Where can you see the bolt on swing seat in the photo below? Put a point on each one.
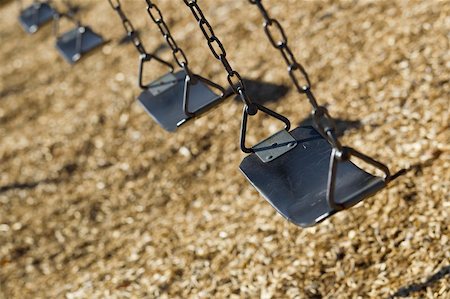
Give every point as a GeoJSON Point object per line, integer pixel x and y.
{"type": "Point", "coordinates": [34, 16]}
{"type": "Point", "coordinates": [291, 170]}
{"type": "Point", "coordinates": [73, 44]}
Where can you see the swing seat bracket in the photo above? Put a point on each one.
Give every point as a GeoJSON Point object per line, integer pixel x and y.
{"type": "Point", "coordinates": [162, 84]}
{"type": "Point", "coordinates": [275, 146]}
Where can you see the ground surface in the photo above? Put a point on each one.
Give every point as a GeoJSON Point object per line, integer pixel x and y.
{"type": "Point", "coordinates": [97, 201]}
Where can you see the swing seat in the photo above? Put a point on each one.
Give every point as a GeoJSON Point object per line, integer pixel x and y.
{"type": "Point", "coordinates": [163, 100]}
{"type": "Point", "coordinates": [67, 43]}
{"type": "Point", "coordinates": [36, 15]}
{"type": "Point", "coordinates": [295, 182]}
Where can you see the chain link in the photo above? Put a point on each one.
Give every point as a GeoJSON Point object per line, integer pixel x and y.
{"type": "Point", "coordinates": [218, 50]}
{"type": "Point", "coordinates": [233, 77]}
{"type": "Point", "coordinates": [324, 122]}
{"type": "Point", "coordinates": [129, 28]}
{"type": "Point", "coordinates": [157, 18]}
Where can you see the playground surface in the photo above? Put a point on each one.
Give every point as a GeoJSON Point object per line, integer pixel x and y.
{"type": "Point", "coordinates": [97, 201]}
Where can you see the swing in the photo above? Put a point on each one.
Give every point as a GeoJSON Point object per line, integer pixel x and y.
{"type": "Point", "coordinates": [176, 97]}
{"type": "Point", "coordinates": [36, 15]}
{"type": "Point", "coordinates": [305, 174]}
{"type": "Point", "coordinates": [296, 182]}
{"type": "Point", "coordinates": [75, 43]}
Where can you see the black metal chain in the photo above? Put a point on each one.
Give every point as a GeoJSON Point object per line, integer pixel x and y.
{"type": "Point", "coordinates": [70, 14]}
{"type": "Point", "coordinates": [157, 17]}
{"type": "Point", "coordinates": [129, 28]}
{"type": "Point", "coordinates": [218, 50]}
{"type": "Point", "coordinates": [233, 77]}
{"type": "Point", "coordinates": [134, 36]}
{"type": "Point", "coordinates": [324, 122]}
{"type": "Point", "coordinates": [322, 119]}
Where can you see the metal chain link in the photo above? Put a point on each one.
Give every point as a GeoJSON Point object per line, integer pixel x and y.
{"type": "Point", "coordinates": [297, 72]}
{"type": "Point", "coordinates": [321, 117]}
{"type": "Point", "coordinates": [129, 28]}
{"type": "Point", "coordinates": [134, 36]}
{"type": "Point", "coordinates": [233, 77]}
{"type": "Point", "coordinates": [157, 17]}
{"type": "Point", "coordinates": [218, 50]}
{"type": "Point", "coordinates": [70, 14]}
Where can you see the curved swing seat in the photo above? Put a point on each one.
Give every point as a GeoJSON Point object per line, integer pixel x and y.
{"type": "Point", "coordinates": [295, 182]}
{"type": "Point", "coordinates": [76, 42]}
{"type": "Point", "coordinates": [36, 15]}
{"type": "Point", "coordinates": [163, 100]}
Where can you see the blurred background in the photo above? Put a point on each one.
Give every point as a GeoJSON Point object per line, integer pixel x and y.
{"type": "Point", "coordinates": [97, 201]}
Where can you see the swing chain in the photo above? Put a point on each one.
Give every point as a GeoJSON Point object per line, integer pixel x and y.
{"type": "Point", "coordinates": [129, 28]}
{"type": "Point", "coordinates": [157, 17]}
{"type": "Point", "coordinates": [234, 78]}
{"type": "Point", "coordinates": [69, 14]}
{"type": "Point", "coordinates": [219, 52]}
{"type": "Point", "coordinates": [322, 119]}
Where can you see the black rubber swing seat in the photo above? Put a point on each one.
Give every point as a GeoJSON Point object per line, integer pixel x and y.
{"type": "Point", "coordinates": [163, 100]}
{"type": "Point", "coordinates": [36, 15]}
{"type": "Point", "coordinates": [68, 47]}
{"type": "Point", "coordinates": [295, 183]}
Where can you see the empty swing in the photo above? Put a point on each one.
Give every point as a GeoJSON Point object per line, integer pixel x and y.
{"type": "Point", "coordinates": [176, 97]}
{"type": "Point", "coordinates": [76, 42]}
{"type": "Point", "coordinates": [305, 174]}
{"type": "Point", "coordinates": [37, 14]}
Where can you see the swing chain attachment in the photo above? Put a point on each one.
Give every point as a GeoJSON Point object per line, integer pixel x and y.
{"type": "Point", "coordinates": [234, 78]}
{"type": "Point", "coordinates": [155, 14]}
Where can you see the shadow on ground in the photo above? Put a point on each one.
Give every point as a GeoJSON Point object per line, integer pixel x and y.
{"type": "Point", "coordinates": [342, 125]}
{"type": "Point", "coordinates": [264, 92]}
{"type": "Point", "coordinates": [417, 287]}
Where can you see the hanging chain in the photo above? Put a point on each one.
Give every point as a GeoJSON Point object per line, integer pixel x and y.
{"type": "Point", "coordinates": [218, 50]}
{"type": "Point", "coordinates": [297, 73]}
{"type": "Point", "coordinates": [129, 28]}
{"type": "Point", "coordinates": [233, 77]}
{"type": "Point", "coordinates": [157, 17]}
{"type": "Point", "coordinates": [69, 14]}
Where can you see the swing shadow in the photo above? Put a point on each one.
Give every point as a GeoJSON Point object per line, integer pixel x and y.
{"type": "Point", "coordinates": [263, 92]}
{"type": "Point", "coordinates": [342, 125]}
{"type": "Point", "coordinates": [125, 39]}
{"type": "Point", "coordinates": [417, 287]}
{"type": "Point", "coordinates": [72, 8]}
{"type": "Point", "coordinates": [4, 2]}
{"type": "Point", "coordinates": [64, 175]}
{"type": "Point", "coordinates": [128, 39]}
{"type": "Point", "coordinates": [28, 185]}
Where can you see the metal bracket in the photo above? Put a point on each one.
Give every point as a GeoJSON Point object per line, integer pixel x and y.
{"type": "Point", "coordinates": [275, 146]}
{"type": "Point", "coordinates": [162, 84]}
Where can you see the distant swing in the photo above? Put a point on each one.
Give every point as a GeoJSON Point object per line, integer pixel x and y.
{"type": "Point", "coordinates": [76, 42]}
{"type": "Point", "coordinates": [34, 16]}
{"type": "Point", "coordinates": [175, 98]}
